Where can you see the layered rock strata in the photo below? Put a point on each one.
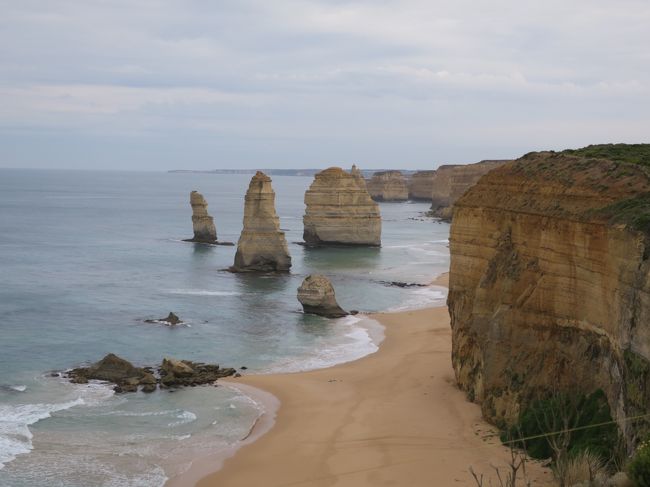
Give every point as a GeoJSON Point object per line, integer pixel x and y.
{"type": "Point", "coordinates": [441, 186]}
{"type": "Point", "coordinates": [316, 294]}
{"type": "Point", "coordinates": [356, 172]}
{"type": "Point", "coordinates": [388, 186]}
{"type": "Point", "coordinates": [451, 182]}
{"type": "Point", "coordinates": [421, 185]}
{"type": "Point", "coordinates": [339, 211]}
{"type": "Point", "coordinates": [262, 246]}
{"type": "Point", "coordinates": [550, 285]}
{"type": "Point", "coordinates": [202, 222]}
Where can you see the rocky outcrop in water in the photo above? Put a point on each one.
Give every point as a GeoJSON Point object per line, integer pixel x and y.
{"type": "Point", "coordinates": [421, 185]}
{"type": "Point", "coordinates": [202, 222]}
{"type": "Point", "coordinates": [171, 320]}
{"type": "Point", "coordinates": [128, 378]}
{"type": "Point", "coordinates": [316, 294]}
{"type": "Point", "coordinates": [549, 285]}
{"type": "Point", "coordinates": [340, 211]}
{"type": "Point", "coordinates": [457, 179]}
{"type": "Point", "coordinates": [262, 246]}
{"type": "Point", "coordinates": [388, 186]}
{"type": "Point", "coordinates": [361, 181]}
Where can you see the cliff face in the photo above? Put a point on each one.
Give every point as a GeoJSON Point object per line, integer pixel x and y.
{"type": "Point", "coordinates": [340, 212]}
{"type": "Point", "coordinates": [388, 186]}
{"type": "Point", "coordinates": [262, 247]}
{"type": "Point", "coordinates": [202, 222]}
{"type": "Point", "coordinates": [451, 182]}
{"type": "Point", "coordinates": [441, 186]}
{"type": "Point", "coordinates": [421, 185]}
{"type": "Point", "coordinates": [550, 285]}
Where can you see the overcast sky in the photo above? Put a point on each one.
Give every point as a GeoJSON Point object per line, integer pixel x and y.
{"type": "Point", "coordinates": [275, 83]}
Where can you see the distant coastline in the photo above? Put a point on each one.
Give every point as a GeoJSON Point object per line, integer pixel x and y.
{"type": "Point", "coordinates": [367, 173]}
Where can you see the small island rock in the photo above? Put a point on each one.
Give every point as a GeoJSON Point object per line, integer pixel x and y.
{"type": "Point", "coordinates": [316, 294]}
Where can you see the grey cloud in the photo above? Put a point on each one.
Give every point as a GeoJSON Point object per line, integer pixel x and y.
{"type": "Point", "coordinates": [305, 83]}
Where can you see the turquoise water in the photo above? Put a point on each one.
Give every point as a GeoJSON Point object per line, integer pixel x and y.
{"type": "Point", "coordinates": [87, 256]}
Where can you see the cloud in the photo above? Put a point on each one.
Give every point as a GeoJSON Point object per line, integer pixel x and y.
{"type": "Point", "coordinates": [386, 83]}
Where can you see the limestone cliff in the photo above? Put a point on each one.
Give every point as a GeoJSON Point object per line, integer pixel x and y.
{"type": "Point", "coordinates": [441, 186]}
{"type": "Point", "coordinates": [358, 176]}
{"type": "Point", "coordinates": [451, 182]}
{"type": "Point", "coordinates": [421, 185]}
{"type": "Point", "coordinates": [388, 186]}
{"type": "Point", "coordinates": [340, 212]}
{"type": "Point", "coordinates": [550, 284]}
{"type": "Point", "coordinates": [262, 246]}
{"type": "Point", "coordinates": [202, 222]}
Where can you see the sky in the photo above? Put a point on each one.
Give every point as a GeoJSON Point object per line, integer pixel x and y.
{"type": "Point", "coordinates": [412, 84]}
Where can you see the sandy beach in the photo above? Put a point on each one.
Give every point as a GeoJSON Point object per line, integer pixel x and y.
{"type": "Point", "coordinates": [392, 418]}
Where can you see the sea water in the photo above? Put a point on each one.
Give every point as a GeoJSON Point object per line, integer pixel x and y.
{"type": "Point", "coordinates": [86, 257]}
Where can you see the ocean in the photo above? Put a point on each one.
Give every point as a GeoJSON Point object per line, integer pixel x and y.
{"type": "Point", "coordinates": [87, 256]}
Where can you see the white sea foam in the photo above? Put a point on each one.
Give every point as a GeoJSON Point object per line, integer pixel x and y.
{"type": "Point", "coordinates": [183, 417]}
{"type": "Point", "coordinates": [15, 435]}
{"type": "Point", "coordinates": [360, 336]}
{"type": "Point", "coordinates": [422, 297]}
{"type": "Point", "coordinates": [16, 388]}
{"type": "Point", "coordinates": [202, 292]}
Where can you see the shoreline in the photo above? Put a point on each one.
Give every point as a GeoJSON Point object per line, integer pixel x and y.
{"type": "Point", "coordinates": [393, 417]}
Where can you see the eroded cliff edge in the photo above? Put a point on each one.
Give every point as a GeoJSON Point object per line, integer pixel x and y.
{"type": "Point", "coordinates": [550, 284]}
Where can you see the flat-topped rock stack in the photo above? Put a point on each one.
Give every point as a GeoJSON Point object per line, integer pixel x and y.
{"type": "Point", "coordinates": [451, 182]}
{"type": "Point", "coordinates": [388, 186]}
{"type": "Point", "coordinates": [340, 211]}
{"type": "Point", "coordinates": [202, 222]}
{"type": "Point", "coordinates": [421, 185]}
{"type": "Point", "coordinates": [262, 246]}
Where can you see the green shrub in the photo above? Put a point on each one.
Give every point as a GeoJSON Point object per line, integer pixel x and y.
{"type": "Point", "coordinates": [639, 467]}
{"type": "Point", "coordinates": [634, 153]}
{"type": "Point", "coordinates": [549, 415]}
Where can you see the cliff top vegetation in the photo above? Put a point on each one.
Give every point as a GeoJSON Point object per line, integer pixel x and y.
{"type": "Point", "coordinates": [633, 153]}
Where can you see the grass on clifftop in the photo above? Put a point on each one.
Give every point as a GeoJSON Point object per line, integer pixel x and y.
{"type": "Point", "coordinates": [631, 153]}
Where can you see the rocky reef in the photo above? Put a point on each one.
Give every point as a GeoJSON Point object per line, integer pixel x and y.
{"type": "Point", "coordinates": [549, 285]}
{"type": "Point", "coordinates": [340, 211]}
{"type": "Point", "coordinates": [202, 222]}
{"type": "Point", "coordinates": [316, 294]}
{"type": "Point", "coordinates": [262, 246]}
{"type": "Point", "coordinates": [128, 378]}
{"type": "Point", "coordinates": [388, 186]}
{"type": "Point", "coordinates": [451, 182]}
{"type": "Point", "coordinates": [421, 185]}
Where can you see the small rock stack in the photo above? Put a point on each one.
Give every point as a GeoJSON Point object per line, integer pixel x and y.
{"type": "Point", "coordinates": [202, 222]}
{"type": "Point", "coordinates": [316, 294]}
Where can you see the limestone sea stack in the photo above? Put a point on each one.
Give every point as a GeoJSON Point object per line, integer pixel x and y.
{"type": "Point", "coordinates": [316, 294]}
{"type": "Point", "coordinates": [262, 246]}
{"type": "Point", "coordinates": [549, 288]}
{"type": "Point", "coordinates": [388, 186]}
{"type": "Point", "coordinates": [340, 211]}
{"type": "Point", "coordinates": [356, 172]}
{"type": "Point", "coordinates": [421, 185]}
{"type": "Point", "coordinates": [451, 182]}
{"type": "Point", "coordinates": [202, 222]}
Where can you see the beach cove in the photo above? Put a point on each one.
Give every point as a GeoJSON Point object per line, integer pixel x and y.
{"type": "Point", "coordinates": [394, 417]}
